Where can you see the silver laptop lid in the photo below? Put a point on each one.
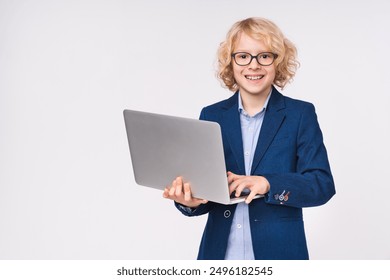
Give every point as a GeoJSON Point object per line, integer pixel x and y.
{"type": "Point", "coordinates": [163, 147]}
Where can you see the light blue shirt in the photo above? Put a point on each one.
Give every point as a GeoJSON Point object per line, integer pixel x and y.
{"type": "Point", "coordinates": [240, 240]}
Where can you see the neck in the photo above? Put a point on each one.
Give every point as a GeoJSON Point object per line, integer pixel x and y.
{"type": "Point", "coordinates": [253, 103]}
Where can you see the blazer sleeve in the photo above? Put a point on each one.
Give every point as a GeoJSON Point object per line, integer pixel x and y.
{"type": "Point", "coordinates": [312, 183]}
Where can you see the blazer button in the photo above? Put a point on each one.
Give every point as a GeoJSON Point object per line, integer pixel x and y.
{"type": "Point", "coordinates": [227, 214]}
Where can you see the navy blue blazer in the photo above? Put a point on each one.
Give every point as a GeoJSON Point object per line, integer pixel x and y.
{"type": "Point", "coordinates": [290, 153]}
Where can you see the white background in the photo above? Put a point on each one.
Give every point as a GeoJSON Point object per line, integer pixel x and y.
{"type": "Point", "coordinates": [69, 68]}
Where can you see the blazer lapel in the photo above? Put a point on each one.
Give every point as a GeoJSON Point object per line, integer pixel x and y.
{"type": "Point", "coordinates": [273, 119]}
{"type": "Point", "coordinates": [231, 125]}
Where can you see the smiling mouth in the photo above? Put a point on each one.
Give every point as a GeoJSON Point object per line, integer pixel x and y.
{"type": "Point", "coordinates": [254, 77]}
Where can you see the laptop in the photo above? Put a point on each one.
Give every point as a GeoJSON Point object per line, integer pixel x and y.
{"type": "Point", "coordinates": [164, 147]}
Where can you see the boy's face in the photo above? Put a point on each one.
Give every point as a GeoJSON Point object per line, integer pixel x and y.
{"type": "Point", "coordinates": [253, 79]}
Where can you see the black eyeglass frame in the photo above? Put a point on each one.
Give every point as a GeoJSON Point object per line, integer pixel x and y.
{"type": "Point", "coordinates": [275, 56]}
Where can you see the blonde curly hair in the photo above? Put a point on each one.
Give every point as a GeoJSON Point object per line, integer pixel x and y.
{"type": "Point", "coordinates": [286, 63]}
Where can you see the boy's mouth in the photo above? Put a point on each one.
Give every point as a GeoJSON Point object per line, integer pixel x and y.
{"type": "Point", "coordinates": [252, 77]}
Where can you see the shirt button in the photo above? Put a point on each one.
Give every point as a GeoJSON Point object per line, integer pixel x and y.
{"type": "Point", "coordinates": [227, 214]}
{"type": "Point", "coordinates": [239, 226]}
{"type": "Point", "coordinates": [247, 153]}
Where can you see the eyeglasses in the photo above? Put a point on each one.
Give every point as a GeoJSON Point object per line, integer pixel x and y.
{"type": "Point", "coordinates": [244, 58]}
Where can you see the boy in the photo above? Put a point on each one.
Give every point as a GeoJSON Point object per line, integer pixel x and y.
{"type": "Point", "coordinates": [273, 146]}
